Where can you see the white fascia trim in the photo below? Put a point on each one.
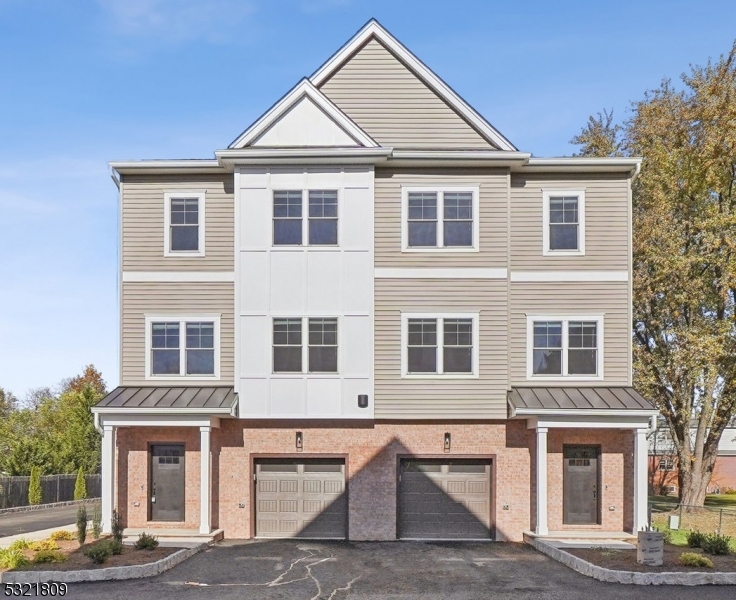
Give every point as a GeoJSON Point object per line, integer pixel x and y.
{"type": "Point", "coordinates": [440, 317]}
{"type": "Point", "coordinates": [178, 276]}
{"type": "Point", "coordinates": [546, 195]}
{"type": "Point", "coordinates": [374, 29]}
{"type": "Point", "coordinates": [132, 167]}
{"type": "Point", "coordinates": [255, 155]}
{"type": "Point", "coordinates": [171, 419]}
{"type": "Point", "coordinates": [567, 276]}
{"type": "Point", "coordinates": [439, 273]}
{"type": "Point", "coordinates": [565, 319]}
{"type": "Point", "coordinates": [593, 412]}
{"type": "Point", "coordinates": [301, 89]}
{"type": "Point", "coordinates": [201, 211]}
{"type": "Point", "coordinates": [631, 165]}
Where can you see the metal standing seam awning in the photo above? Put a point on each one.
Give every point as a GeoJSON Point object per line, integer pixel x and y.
{"type": "Point", "coordinates": [579, 401]}
{"type": "Point", "coordinates": [214, 400]}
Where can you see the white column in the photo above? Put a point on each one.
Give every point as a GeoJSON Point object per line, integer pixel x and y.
{"type": "Point", "coordinates": [542, 481]}
{"type": "Point", "coordinates": [204, 480]}
{"type": "Point", "coordinates": [641, 487]}
{"type": "Point", "coordinates": [108, 476]}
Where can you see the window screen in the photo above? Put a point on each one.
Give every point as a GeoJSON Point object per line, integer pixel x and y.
{"type": "Point", "coordinates": [563, 223]}
{"type": "Point", "coordinates": [323, 217]}
{"type": "Point", "coordinates": [287, 345]}
{"type": "Point", "coordinates": [184, 221]}
{"type": "Point", "coordinates": [458, 218]}
{"type": "Point", "coordinates": [422, 345]}
{"type": "Point", "coordinates": [458, 346]}
{"type": "Point", "coordinates": [323, 345]}
{"type": "Point", "coordinates": [422, 221]}
{"type": "Point", "coordinates": [547, 348]}
{"type": "Point", "coordinates": [287, 218]}
{"type": "Point", "coordinates": [582, 353]}
{"type": "Point", "coordinates": [165, 349]}
{"type": "Point", "coordinates": [200, 348]}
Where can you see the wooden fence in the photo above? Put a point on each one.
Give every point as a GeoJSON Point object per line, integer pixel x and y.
{"type": "Point", "coordinates": [54, 488]}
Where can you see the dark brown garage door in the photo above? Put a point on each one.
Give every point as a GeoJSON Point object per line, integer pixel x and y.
{"type": "Point", "coordinates": [444, 499]}
{"type": "Point", "coordinates": [301, 498]}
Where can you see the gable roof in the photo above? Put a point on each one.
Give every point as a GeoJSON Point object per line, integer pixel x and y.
{"type": "Point", "coordinates": [373, 29]}
{"type": "Point", "coordinates": [305, 89]}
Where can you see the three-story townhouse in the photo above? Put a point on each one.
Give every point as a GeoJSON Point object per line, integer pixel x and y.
{"type": "Point", "coordinates": [372, 317]}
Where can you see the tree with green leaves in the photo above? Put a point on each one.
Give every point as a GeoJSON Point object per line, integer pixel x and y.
{"type": "Point", "coordinates": [80, 486]}
{"type": "Point", "coordinates": [684, 256]}
{"type": "Point", "coordinates": [34, 487]}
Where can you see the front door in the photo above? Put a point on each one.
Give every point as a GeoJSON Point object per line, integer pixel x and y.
{"type": "Point", "coordinates": [580, 485]}
{"type": "Point", "coordinates": [166, 499]}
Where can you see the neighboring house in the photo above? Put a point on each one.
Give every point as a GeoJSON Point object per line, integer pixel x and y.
{"type": "Point", "coordinates": [372, 317]}
{"type": "Point", "coordinates": [663, 469]}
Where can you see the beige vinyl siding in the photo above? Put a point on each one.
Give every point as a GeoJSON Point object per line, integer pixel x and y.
{"type": "Point", "coordinates": [394, 106]}
{"type": "Point", "coordinates": [573, 299]}
{"type": "Point", "coordinates": [143, 222]}
{"type": "Point", "coordinates": [433, 398]}
{"type": "Point", "coordinates": [493, 223]}
{"type": "Point", "coordinates": [140, 299]}
{"type": "Point", "coordinates": [606, 222]}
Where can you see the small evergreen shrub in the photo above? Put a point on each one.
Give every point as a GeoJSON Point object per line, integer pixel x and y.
{"type": "Point", "coordinates": [81, 524]}
{"type": "Point", "coordinates": [43, 545]}
{"type": "Point", "coordinates": [62, 534]}
{"type": "Point", "coordinates": [116, 526]}
{"type": "Point", "coordinates": [714, 543]}
{"type": "Point", "coordinates": [80, 486]}
{"type": "Point", "coordinates": [146, 542]}
{"type": "Point", "coordinates": [97, 522]}
{"type": "Point", "coordinates": [34, 487]}
{"type": "Point", "coordinates": [20, 544]}
{"type": "Point", "coordinates": [49, 556]}
{"type": "Point", "coordinates": [98, 553]}
{"type": "Point", "coordinates": [693, 559]}
{"type": "Point", "coordinates": [116, 546]}
{"type": "Point", "coordinates": [13, 559]}
{"type": "Point", "coordinates": [695, 539]}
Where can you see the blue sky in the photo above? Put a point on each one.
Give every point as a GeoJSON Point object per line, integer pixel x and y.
{"type": "Point", "coordinates": [86, 82]}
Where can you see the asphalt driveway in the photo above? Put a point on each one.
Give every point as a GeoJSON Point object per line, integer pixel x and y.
{"type": "Point", "coordinates": [15, 523]}
{"type": "Point", "coordinates": [304, 570]}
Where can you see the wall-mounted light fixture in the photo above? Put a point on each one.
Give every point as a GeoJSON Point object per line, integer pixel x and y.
{"type": "Point", "coordinates": [447, 441]}
{"type": "Point", "coordinates": [299, 441]}
{"type": "Point", "coordinates": [362, 400]}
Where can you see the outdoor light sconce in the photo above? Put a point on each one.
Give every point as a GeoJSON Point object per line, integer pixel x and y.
{"type": "Point", "coordinates": [362, 400]}
{"type": "Point", "coordinates": [447, 442]}
{"type": "Point", "coordinates": [299, 441]}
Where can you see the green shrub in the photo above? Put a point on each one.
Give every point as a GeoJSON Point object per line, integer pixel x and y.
{"type": "Point", "coordinates": [62, 534]}
{"type": "Point", "coordinates": [116, 526]}
{"type": "Point", "coordinates": [693, 559]}
{"type": "Point", "coordinates": [20, 544]}
{"type": "Point", "coordinates": [695, 539]}
{"type": "Point", "coordinates": [80, 486]}
{"type": "Point", "coordinates": [146, 542]}
{"type": "Point", "coordinates": [43, 545]}
{"type": "Point", "coordinates": [81, 524]}
{"type": "Point", "coordinates": [666, 534]}
{"type": "Point", "coordinates": [116, 546]}
{"type": "Point", "coordinates": [49, 556]}
{"type": "Point", "coordinates": [97, 522]}
{"type": "Point", "coordinates": [714, 543]}
{"type": "Point", "coordinates": [730, 491]}
{"type": "Point", "coordinates": [13, 559]}
{"type": "Point", "coordinates": [98, 553]}
{"type": "Point", "coordinates": [34, 487]}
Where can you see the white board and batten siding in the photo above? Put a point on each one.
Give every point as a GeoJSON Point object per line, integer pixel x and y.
{"type": "Point", "coordinates": [304, 281]}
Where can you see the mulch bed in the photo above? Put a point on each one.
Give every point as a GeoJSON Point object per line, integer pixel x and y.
{"type": "Point", "coordinates": [625, 560]}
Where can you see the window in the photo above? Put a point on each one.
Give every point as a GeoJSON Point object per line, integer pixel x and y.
{"type": "Point", "coordinates": [564, 222]}
{"type": "Point", "coordinates": [440, 218]}
{"type": "Point", "coordinates": [666, 464]}
{"type": "Point", "coordinates": [289, 223]}
{"type": "Point", "coordinates": [184, 224]}
{"type": "Point", "coordinates": [182, 346]}
{"type": "Point", "coordinates": [289, 354]}
{"type": "Point", "coordinates": [565, 347]}
{"type": "Point", "coordinates": [437, 345]}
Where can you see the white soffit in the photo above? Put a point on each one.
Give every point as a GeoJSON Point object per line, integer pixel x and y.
{"type": "Point", "coordinates": [298, 116]}
{"type": "Point", "coordinates": [374, 29]}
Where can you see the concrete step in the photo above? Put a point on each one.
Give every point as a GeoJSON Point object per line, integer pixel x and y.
{"type": "Point", "coordinates": [173, 537]}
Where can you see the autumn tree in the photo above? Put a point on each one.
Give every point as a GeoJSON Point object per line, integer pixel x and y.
{"type": "Point", "coordinates": [684, 256]}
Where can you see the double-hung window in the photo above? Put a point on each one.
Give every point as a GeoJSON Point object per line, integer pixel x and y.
{"type": "Point", "coordinates": [291, 355]}
{"type": "Point", "coordinates": [565, 347]}
{"type": "Point", "coordinates": [291, 228]}
{"type": "Point", "coordinates": [184, 224]}
{"type": "Point", "coordinates": [440, 218]}
{"type": "Point", "coordinates": [563, 222]}
{"type": "Point", "coordinates": [182, 347]}
{"type": "Point", "coordinates": [445, 345]}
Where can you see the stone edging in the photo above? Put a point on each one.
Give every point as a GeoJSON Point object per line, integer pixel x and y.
{"type": "Point", "coordinates": [17, 509]}
{"type": "Point", "coordinates": [109, 573]}
{"type": "Point", "coordinates": [630, 577]}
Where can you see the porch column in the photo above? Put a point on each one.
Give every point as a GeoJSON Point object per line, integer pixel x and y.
{"type": "Point", "coordinates": [204, 480]}
{"type": "Point", "coordinates": [108, 477]}
{"type": "Point", "coordinates": [641, 488]}
{"type": "Point", "coordinates": [542, 481]}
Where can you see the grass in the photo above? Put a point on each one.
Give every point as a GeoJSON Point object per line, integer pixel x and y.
{"type": "Point", "coordinates": [665, 503]}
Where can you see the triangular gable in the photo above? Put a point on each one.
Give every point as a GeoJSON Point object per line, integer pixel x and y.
{"type": "Point", "coordinates": [396, 98]}
{"type": "Point", "coordinates": [304, 117]}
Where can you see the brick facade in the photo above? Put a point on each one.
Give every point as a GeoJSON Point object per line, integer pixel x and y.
{"type": "Point", "coordinates": [372, 450]}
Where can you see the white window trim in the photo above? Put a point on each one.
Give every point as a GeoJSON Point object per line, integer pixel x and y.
{"type": "Point", "coordinates": [546, 195]}
{"type": "Point", "coordinates": [440, 190]}
{"type": "Point", "coordinates": [475, 317]}
{"type": "Point", "coordinates": [305, 350]}
{"type": "Point", "coordinates": [182, 319]}
{"type": "Point", "coordinates": [168, 197]}
{"type": "Point", "coordinates": [305, 220]}
{"type": "Point", "coordinates": [565, 319]}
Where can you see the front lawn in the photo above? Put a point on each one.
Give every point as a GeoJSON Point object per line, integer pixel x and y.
{"type": "Point", "coordinates": [665, 503]}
